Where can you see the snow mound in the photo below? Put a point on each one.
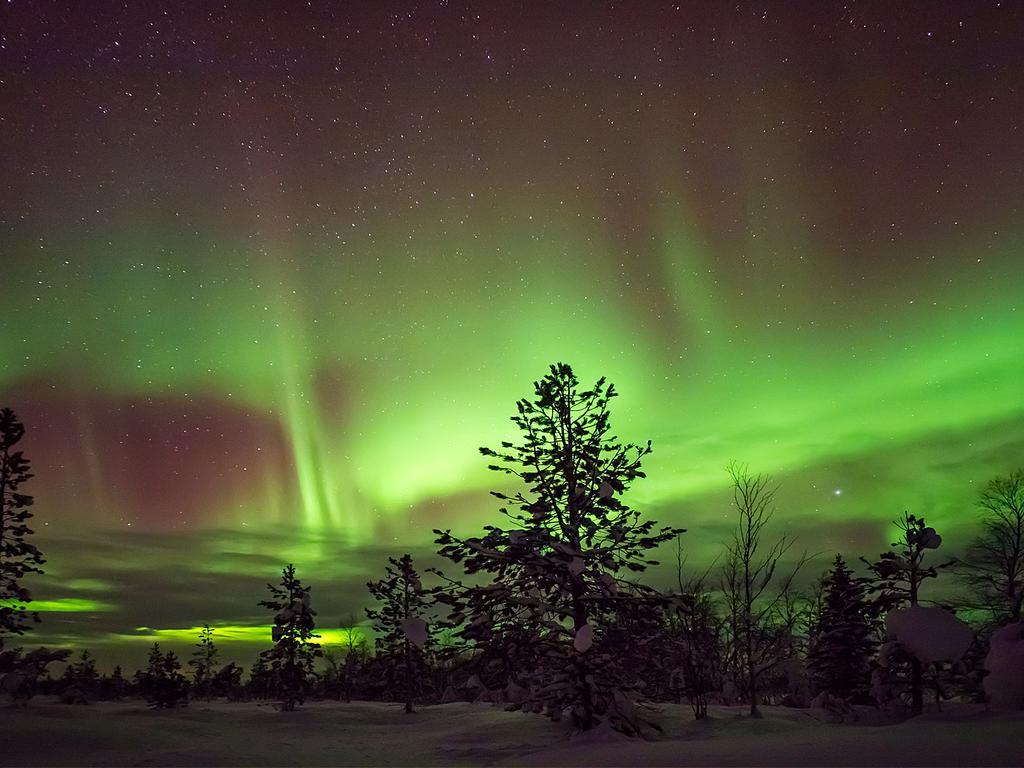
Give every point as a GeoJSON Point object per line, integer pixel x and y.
{"type": "Point", "coordinates": [584, 638]}
{"type": "Point", "coordinates": [415, 629]}
{"type": "Point", "coordinates": [930, 634]}
{"type": "Point", "coordinates": [1004, 684]}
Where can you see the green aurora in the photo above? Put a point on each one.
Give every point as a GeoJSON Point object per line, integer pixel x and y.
{"type": "Point", "coordinates": [231, 353]}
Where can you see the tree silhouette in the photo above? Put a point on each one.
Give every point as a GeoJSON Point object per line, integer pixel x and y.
{"type": "Point", "coordinates": [558, 574]}
{"type": "Point", "coordinates": [227, 682]}
{"type": "Point", "coordinates": [80, 680]}
{"type": "Point", "coordinates": [897, 579]}
{"type": "Point", "coordinates": [261, 679]}
{"type": "Point", "coordinates": [754, 592]}
{"type": "Point", "coordinates": [695, 631]}
{"type": "Point", "coordinates": [18, 556]}
{"type": "Point", "coordinates": [20, 672]}
{"type": "Point", "coordinates": [843, 639]}
{"type": "Point", "coordinates": [294, 653]}
{"type": "Point", "coordinates": [403, 635]}
{"type": "Point", "coordinates": [993, 567]}
{"type": "Point", "coordinates": [202, 661]}
{"type": "Point", "coordinates": [162, 685]}
{"type": "Point", "coordinates": [113, 686]}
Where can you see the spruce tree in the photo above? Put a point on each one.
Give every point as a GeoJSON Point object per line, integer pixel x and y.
{"type": "Point", "coordinates": [403, 635]}
{"type": "Point", "coordinates": [113, 686]}
{"type": "Point", "coordinates": [292, 658]}
{"type": "Point", "coordinates": [558, 575]}
{"type": "Point", "coordinates": [227, 682]}
{"type": "Point", "coordinates": [202, 661]}
{"type": "Point", "coordinates": [18, 556]}
{"type": "Point", "coordinates": [162, 685]}
{"type": "Point", "coordinates": [261, 679]}
{"type": "Point", "coordinates": [842, 643]}
{"type": "Point", "coordinates": [80, 680]}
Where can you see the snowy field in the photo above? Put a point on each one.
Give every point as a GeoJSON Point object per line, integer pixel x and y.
{"type": "Point", "coordinates": [365, 733]}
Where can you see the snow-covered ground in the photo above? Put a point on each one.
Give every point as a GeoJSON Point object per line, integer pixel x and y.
{"type": "Point", "coordinates": [365, 733]}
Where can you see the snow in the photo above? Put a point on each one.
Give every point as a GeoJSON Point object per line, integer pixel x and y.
{"type": "Point", "coordinates": [462, 734]}
{"type": "Point", "coordinates": [1004, 684]}
{"type": "Point", "coordinates": [415, 629]}
{"type": "Point", "coordinates": [930, 539]}
{"type": "Point", "coordinates": [931, 634]}
{"type": "Point", "coordinates": [584, 638]}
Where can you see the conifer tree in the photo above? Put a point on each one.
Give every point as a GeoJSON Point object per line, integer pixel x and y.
{"type": "Point", "coordinates": [18, 556]}
{"type": "Point", "coordinates": [292, 658]}
{"type": "Point", "coordinates": [261, 679]}
{"type": "Point", "coordinates": [202, 661]}
{"type": "Point", "coordinates": [80, 680]}
{"type": "Point", "coordinates": [403, 635]}
{"type": "Point", "coordinates": [897, 579]}
{"type": "Point", "coordinates": [842, 643]}
{"type": "Point", "coordinates": [558, 575]}
{"type": "Point", "coordinates": [227, 682]}
{"type": "Point", "coordinates": [113, 686]}
{"type": "Point", "coordinates": [162, 685]}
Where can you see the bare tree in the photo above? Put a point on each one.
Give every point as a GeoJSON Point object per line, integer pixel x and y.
{"type": "Point", "coordinates": [754, 594]}
{"type": "Point", "coordinates": [993, 567]}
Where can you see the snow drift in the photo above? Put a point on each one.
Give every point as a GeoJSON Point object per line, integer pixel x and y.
{"type": "Point", "coordinates": [930, 634]}
{"type": "Point", "coordinates": [1004, 684]}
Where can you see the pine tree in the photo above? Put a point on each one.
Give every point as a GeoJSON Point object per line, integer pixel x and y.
{"type": "Point", "coordinates": [80, 681]}
{"type": "Point", "coordinates": [403, 635]}
{"type": "Point", "coordinates": [18, 556]}
{"type": "Point", "coordinates": [261, 679]}
{"type": "Point", "coordinates": [113, 686]}
{"type": "Point", "coordinates": [162, 685]}
{"type": "Point", "coordinates": [898, 577]}
{"type": "Point", "coordinates": [202, 661]}
{"type": "Point", "coordinates": [294, 653]}
{"type": "Point", "coordinates": [558, 575]}
{"type": "Point", "coordinates": [227, 682]}
{"type": "Point", "coordinates": [843, 640]}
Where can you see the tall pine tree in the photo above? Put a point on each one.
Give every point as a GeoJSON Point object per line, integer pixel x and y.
{"type": "Point", "coordinates": [402, 631]}
{"type": "Point", "coordinates": [203, 658]}
{"type": "Point", "coordinates": [18, 556]}
{"type": "Point", "coordinates": [843, 642]}
{"type": "Point", "coordinates": [294, 653]}
{"type": "Point", "coordinates": [558, 576]}
{"type": "Point", "coordinates": [162, 685]}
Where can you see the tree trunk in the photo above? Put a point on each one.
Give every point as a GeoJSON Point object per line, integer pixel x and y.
{"type": "Point", "coordinates": [916, 686]}
{"type": "Point", "coordinates": [579, 619]}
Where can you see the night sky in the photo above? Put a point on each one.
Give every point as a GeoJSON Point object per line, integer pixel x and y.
{"type": "Point", "coordinates": [271, 272]}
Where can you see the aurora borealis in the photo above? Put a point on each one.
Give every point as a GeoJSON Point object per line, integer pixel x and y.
{"type": "Point", "coordinates": [271, 273]}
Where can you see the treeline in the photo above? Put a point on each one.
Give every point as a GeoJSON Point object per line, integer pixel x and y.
{"type": "Point", "coordinates": [548, 613]}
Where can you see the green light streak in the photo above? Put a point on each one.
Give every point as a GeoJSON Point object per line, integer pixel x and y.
{"type": "Point", "coordinates": [235, 634]}
{"type": "Point", "coordinates": [63, 605]}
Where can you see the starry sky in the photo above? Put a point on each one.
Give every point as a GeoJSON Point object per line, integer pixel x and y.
{"type": "Point", "coordinates": [272, 272]}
